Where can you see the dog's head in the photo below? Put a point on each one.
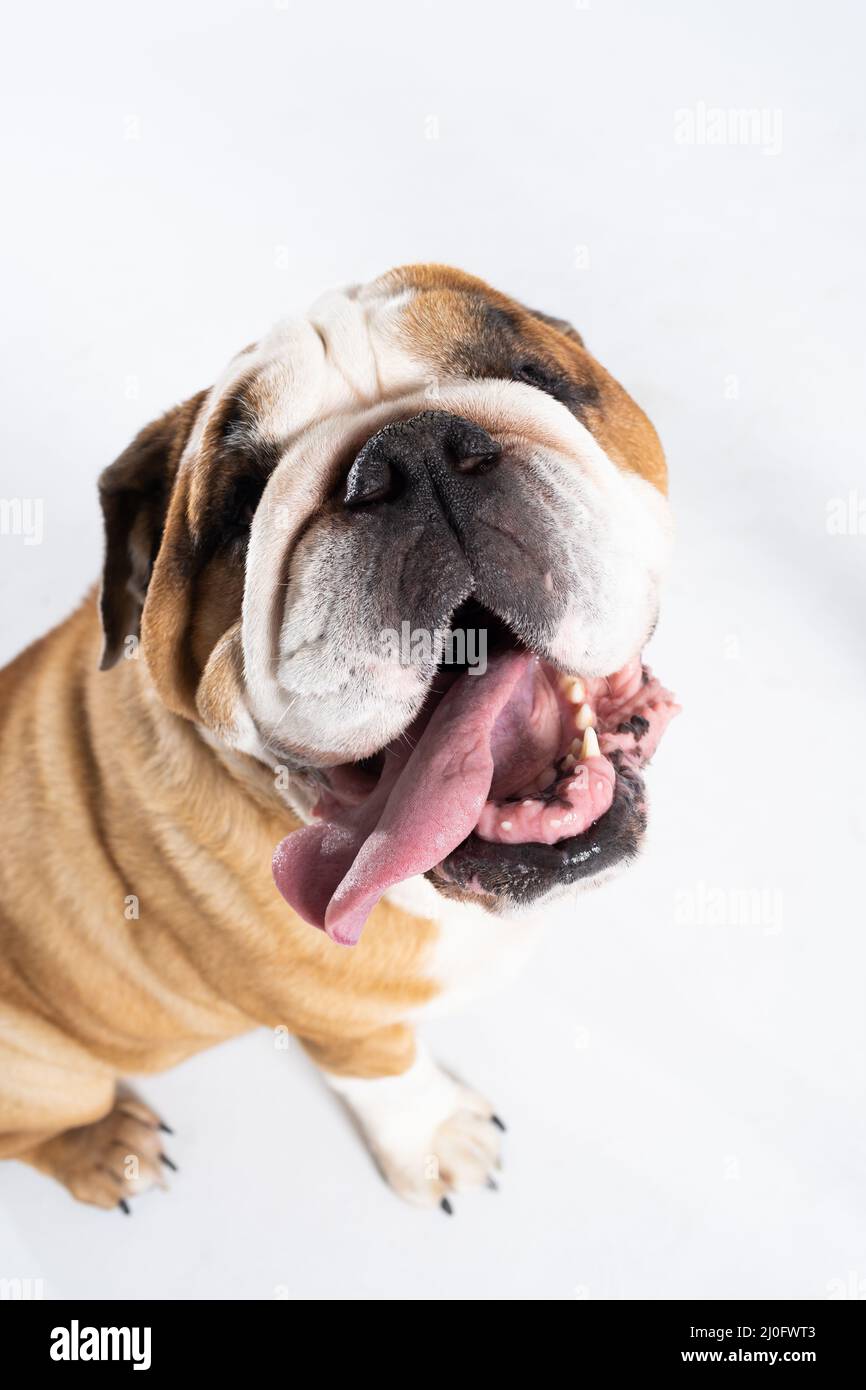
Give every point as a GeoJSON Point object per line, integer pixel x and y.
{"type": "Point", "coordinates": [407, 552]}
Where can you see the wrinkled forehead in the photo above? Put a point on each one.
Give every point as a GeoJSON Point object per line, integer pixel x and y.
{"type": "Point", "coordinates": [414, 329]}
{"type": "Point", "coordinates": [461, 326]}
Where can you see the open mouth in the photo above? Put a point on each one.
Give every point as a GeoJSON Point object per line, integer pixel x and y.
{"type": "Point", "coordinates": [510, 783]}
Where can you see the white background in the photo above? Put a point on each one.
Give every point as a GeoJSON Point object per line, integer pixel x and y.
{"type": "Point", "coordinates": [683, 1080]}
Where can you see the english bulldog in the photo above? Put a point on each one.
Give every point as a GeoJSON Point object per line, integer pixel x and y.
{"type": "Point", "coordinates": [231, 799]}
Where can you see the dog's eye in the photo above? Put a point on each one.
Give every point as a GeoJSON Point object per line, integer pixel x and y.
{"type": "Point", "coordinates": [539, 377]}
{"type": "Point", "coordinates": [247, 501]}
{"type": "Point", "coordinates": [575, 396]}
{"type": "Point", "coordinates": [240, 508]}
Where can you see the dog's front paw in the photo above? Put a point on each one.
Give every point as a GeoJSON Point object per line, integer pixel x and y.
{"type": "Point", "coordinates": [430, 1135]}
{"type": "Point", "coordinates": [115, 1158]}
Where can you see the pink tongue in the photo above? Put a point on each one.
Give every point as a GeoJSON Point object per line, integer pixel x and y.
{"type": "Point", "coordinates": [427, 801]}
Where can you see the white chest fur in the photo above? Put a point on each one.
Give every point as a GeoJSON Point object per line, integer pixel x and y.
{"type": "Point", "coordinates": [475, 954]}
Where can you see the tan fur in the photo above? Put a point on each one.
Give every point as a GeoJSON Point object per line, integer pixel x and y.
{"type": "Point", "coordinates": [106, 795]}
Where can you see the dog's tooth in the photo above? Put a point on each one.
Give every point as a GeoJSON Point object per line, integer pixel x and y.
{"type": "Point", "coordinates": [569, 761]}
{"type": "Point", "coordinates": [589, 747]}
{"type": "Point", "coordinates": [585, 717]}
{"type": "Point", "coordinates": [575, 691]}
{"type": "Point", "coordinates": [547, 777]}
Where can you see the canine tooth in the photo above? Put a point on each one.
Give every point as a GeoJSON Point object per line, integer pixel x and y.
{"type": "Point", "coordinates": [505, 824]}
{"type": "Point", "coordinates": [589, 748]}
{"type": "Point", "coordinates": [585, 717]}
{"type": "Point", "coordinates": [576, 691]}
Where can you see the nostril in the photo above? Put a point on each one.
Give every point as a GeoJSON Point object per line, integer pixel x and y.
{"type": "Point", "coordinates": [371, 480]}
{"type": "Point", "coordinates": [478, 462]}
{"type": "Point", "coordinates": [470, 448]}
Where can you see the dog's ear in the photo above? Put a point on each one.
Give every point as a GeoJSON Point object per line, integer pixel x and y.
{"type": "Point", "coordinates": [561, 325]}
{"type": "Point", "coordinates": [134, 492]}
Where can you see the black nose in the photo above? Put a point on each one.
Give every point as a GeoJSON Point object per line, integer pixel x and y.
{"type": "Point", "coordinates": [439, 446]}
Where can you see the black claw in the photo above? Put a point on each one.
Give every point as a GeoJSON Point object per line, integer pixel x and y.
{"type": "Point", "coordinates": [492, 1184]}
{"type": "Point", "coordinates": [446, 1206]}
{"type": "Point", "coordinates": [125, 1207]}
{"type": "Point", "coordinates": [166, 1129]}
{"type": "Point", "coordinates": [498, 1123]}
{"type": "Point", "coordinates": [168, 1163]}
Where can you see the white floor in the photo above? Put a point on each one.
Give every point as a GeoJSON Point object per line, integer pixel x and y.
{"type": "Point", "coordinates": [682, 1065]}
